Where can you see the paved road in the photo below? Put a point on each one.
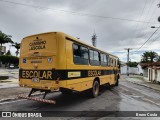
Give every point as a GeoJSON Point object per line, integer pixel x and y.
{"type": "Point", "coordinates": [126, 97]}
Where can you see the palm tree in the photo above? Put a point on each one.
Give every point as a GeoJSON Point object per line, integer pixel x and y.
{"type": "Point", "coordinates": [153, 55]}
{"type": "Point", "coordinates": [149, 56]}
{"type": "Point", "coordinates": [17, 46]}
{"type": "Point", "coordinates": [145, 57]}
{"type": "Point", "coordinates": [4, 39]}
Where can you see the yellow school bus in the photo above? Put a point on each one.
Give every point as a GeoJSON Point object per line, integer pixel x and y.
{"type": "Point", "coordinates": [56, 61]}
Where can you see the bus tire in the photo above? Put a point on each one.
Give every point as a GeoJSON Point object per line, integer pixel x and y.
{"type": "Point", "coordinates": [66, 91]}
{"type": "Point", "coordinates": [117, 81]}
{"type": "Point", "coordinates": [95, 89]}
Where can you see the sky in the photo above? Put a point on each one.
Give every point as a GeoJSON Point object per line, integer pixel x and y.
{"type": "Point", "coordinates": [118, 24]}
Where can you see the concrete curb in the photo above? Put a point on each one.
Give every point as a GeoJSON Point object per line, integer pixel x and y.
{"type": "Point", "coordinates": [145, 86]}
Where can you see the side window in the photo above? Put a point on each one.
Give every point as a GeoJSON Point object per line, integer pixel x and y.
{"type": "Point", "coordinates": [76, 51]}
{"type": "Point", "coordinates": [115, 63]}
{"type": "Point", "coordinates": [80, 55]}
{"type": "Point", "coordinates": [103, 60]}
{"type": "Point", "coordinates": [91, 53]}
{"type": "Point", "coordinates": [84, 52]}
{"type": "Point", "coordinates": [94, 58]}
{"type": "Point", "coordinates": [110, 61]}
{"type": "Point", "coordinates": [107, 58]}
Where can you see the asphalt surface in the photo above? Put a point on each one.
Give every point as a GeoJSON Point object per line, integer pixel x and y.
{"type": "Point", "coordinates": [126, 97]}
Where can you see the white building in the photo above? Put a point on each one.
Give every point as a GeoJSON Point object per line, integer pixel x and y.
{"type": "Point", "coordinates": [151, 71]}
{"type": "Point", "coordinates": [132, 70]}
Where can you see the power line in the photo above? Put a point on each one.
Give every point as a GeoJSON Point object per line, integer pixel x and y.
{"type": "Point", "coordinates": [76, 13]}
{"type": "Point", "coordinates": [140, 16]}
{"type": "Point", "coordinates": [146, 26]}
{"type": "Point", "coordinates": [148, 39]}
{"type": "Point", "coordinates": [153, 40]}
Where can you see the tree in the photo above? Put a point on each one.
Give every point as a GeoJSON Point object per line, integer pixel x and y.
{"type": "Point", "coordinates": [8, 59]}
{"type": "Point", "coordinates": [8, 52]}
{"type": "Point", "coordinates": [17, 46]}
{"type": "Point", "coordinates": [145, 57]}
{"type": "Point", "coordinates": [5, 38]}
{"type": "Point", "coordinates": [132, 64]}
{"type": "Point", "coordinates": [153, 56]}
{"type": "Point", "coordinates": [149, 56]}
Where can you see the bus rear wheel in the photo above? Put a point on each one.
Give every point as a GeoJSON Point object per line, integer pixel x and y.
{"type": "Point", "coordinates": [65, 91]}
{"type": "Point", "coordinates": [117, 82]}
{"type": "Point", "coordinates": [95, 89]}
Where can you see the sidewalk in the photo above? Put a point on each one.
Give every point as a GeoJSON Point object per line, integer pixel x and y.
{"type": "Point", "coordinates": [139, 81]}
{"type": "Point", "coordinates": [9, 88]}
{"type": "Point", "coordinates": [12, 81]}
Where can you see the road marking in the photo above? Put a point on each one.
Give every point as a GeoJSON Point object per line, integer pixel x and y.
{"type": "Point", "coordinates": [123, 88]}
{"type": "Point", "coordinates": [151, 101]}
{"type": "Point", "coordinates": [12, 101]}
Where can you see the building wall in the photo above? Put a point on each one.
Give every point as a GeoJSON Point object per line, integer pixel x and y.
{"type": "Point", "coordinates": [145, 74]}
{"type": "Point", "coordinates": [132, 70]}
{"type": "Point", "coordinates": [140, 71]}
{"type": "Point", "coordinates": [153, 75]}
{"type": "Point", "coordinates": [158, 75]}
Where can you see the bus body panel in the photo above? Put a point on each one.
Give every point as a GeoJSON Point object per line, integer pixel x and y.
{"type": "Point", "coordinates": [82, 84]}
{"type": "Point", "coordinates": [40, 56]}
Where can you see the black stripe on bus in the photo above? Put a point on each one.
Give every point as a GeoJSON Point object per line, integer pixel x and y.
{"type": "Point", "coordinates": [63, 74]}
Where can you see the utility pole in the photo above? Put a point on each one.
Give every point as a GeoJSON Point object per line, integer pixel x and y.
{"type": "Point", "coordinates": [128, 49]}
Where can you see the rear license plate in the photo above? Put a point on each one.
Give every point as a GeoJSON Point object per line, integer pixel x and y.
{"type": "Point", "coordinates": [35, 79]}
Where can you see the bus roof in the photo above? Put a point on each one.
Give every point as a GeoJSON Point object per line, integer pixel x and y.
{"type": "Point", "coordinates": [74, 39]}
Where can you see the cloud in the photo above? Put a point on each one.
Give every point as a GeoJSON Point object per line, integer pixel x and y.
{"type": "Point", "coordinates": [78, 18]}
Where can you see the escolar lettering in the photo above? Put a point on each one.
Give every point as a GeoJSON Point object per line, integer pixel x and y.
{"type": "Point", "coordinates": [28, 74]}
{"type": "Point", "coordinates": [94, 73]}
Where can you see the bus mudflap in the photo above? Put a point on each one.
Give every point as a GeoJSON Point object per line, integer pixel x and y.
{"type": "Point", "coordinates": [29, 97]}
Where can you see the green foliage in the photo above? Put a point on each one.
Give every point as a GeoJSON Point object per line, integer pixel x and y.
{"type": "Point", "coordinates": [132, 64]}
{"type": "Point", "coordinates": [5, 38]}
{"type": "Point", "coordinates": [17, 46]}
{"type": "Point", "coordinates": [8, 59]}
{"type": "Point", "coordinates": [149, 57]}
{"type": "Point", "coordinates": [8, 52]}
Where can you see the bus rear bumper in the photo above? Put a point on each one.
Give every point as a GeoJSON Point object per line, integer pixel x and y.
{"type": "Point", "coordinates": [37, 99]}
{"type": "Point", "coordinates": [31, 96]}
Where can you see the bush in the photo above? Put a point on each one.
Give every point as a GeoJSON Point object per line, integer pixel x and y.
{"type": "Point", "coordinates": [8, 59]}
